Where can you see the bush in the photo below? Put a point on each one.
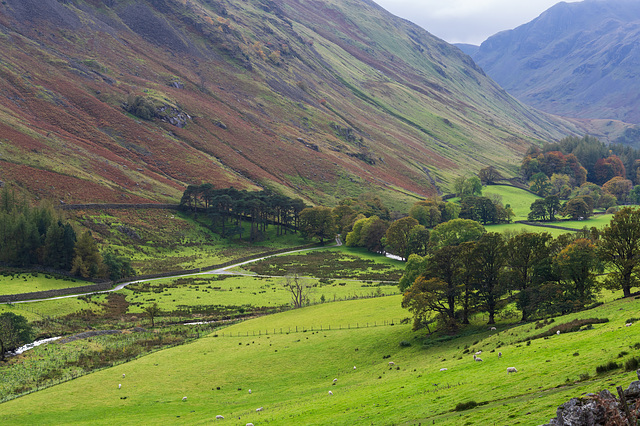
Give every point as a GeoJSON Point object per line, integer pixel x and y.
{"type": "Point", "coordinates": [604, 368]}
{"type": "Point", "coordinates": [465, 406]}
{"type": "Point", "coordinates": [632, 364]}
{"type": "Point", "coordinates": [405, 344]}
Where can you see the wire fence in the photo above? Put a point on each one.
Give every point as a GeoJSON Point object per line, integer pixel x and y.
{"type": "Point", "coordinates": [313, 328]}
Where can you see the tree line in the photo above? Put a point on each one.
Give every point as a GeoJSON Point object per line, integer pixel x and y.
{"type": "Point", "coordinates": [42, 236]}
{"type": "Point", "coordinates": [466, 273]}
{"type": "Point", "coordinates": [228, 207]}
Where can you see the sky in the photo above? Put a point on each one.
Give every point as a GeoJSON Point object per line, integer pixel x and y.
{"type": "Point", "coordinates": [467, 21]}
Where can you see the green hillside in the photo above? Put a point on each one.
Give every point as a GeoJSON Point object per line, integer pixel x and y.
{"type": "Point", "coordinates": [290, 374]}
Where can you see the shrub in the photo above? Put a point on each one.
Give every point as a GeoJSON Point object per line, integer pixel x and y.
{"type": "Point", "coordinates": [405, 344]}
{"type": "Point", "coordinates": [604, 368]}
{"type": "Point", "coordinates": [632, 364]}
{"type": "Point", "coordinates": [462, 406]}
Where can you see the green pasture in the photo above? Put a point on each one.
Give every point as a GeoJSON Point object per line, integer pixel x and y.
{"type": "Point", "coordinates": [31, 282]}
{"type": "Point", "coordinates": [599, 221]}
{"type": "Point", "coordinates": [519, 199]}
{"type": "Point", "coordinates": [290, 374]}
{"type": "Point", "coordinates": [227, 290]}
{"type": "Point", "coordinates": [520, 227]}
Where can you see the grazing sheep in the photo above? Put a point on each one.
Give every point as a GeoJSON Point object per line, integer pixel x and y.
{"type": "Point", "coordinates": [249, 391]}
{"type": "Point", "coordinates": [558, 332]}
{"type": "Point", "coordinates": [443, 369]}
{"type": "Point", "coordinates": [392, 363]}
{"type": "Point", "coordinates": [259, 409]}
{"type": "Point", "coordinates": [478, 353]}
{"type": "Point", "coordinates": [499, 354]}
{"type": "Point", "coordinates": [249, 424]}
{"type": "Point", "coordinates": [493, 329]}
{"type": "Point", "coordinates": [475, 358]}
{"type": "Point", "coordinates": [511, 370]}
{"type": "Point", "coordinates": [123, 375]}
{"type": "Point", "coordinates": [629, 324]}
{"type": "Point", "coordinates": [354, 367]}
{"type": "Point", "coordinates": [184, 398]}
{"type": "Point", "coordinates": [330, 393]}
{"type": "Point", "coordinates": [335, 380]}
{"type": "Point", "coordinates": [219, 417]}
{"type": "Point", "coordinates": [120, 386]}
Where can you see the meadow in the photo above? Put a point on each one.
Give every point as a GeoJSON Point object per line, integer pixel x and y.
{"type": "Point", "coordinates": [16, 282]}
{"type": "Point", "coordinates": [290, 374]}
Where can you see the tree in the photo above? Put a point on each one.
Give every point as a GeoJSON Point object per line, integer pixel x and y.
{"type": "Point", "coordinates": [619, 187]}
{"type": "Point", "coordinates": [539, 184]}
{"type": "Point", "coordinates": [577, 265]}
{"type": "Point", "coordinates": [152, 311]}
{"type": "Point", "coordinates": [317, 222]}
{"type": "Point", "coordinates": [15, 331]}
{"type": "Point", "coordinates": [117, 266]}
{"type": "Point", "coordinates": [454, 232]}
{"type": "Point", "coordinates": [487, 264]}
{"type": "Point", "coordinates": [619, 248]}
{"type": "Point", "coordinates": [372, 234]}
{"type": "Point", "coordinates": [466, 186]}
{"type": "Point", "coordinates": [538, 211]}
{"type": "Point", "coordinates": [87, 261]}
{"type": "Point", "coordinates": [415, 266]}
{"type": "Point", "coordinates": [577, 208]}
{"type": "Point", "coordinates": [297, 288]}
{"type": "Point", "coordinates": [418, 241]}
{"type": "Point", "coordinates": [489, 175]}
{"type": "Point", "coordinates": [528, 257]}
{"type": "Point", "coordinates": [560, 185]}
{"type": "Point", "coordinates": [397, 236]}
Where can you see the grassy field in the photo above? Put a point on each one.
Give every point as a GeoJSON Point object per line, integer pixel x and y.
{"type": "Point", "coordinates": [291, 374]}
{"type": "Point", "coordinates": [30, 282]}
{"type": "Point", "coordinates": [519, 199]}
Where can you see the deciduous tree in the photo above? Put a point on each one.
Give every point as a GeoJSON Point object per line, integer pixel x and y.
{"type": "Point", "coordinates": [619, 248]}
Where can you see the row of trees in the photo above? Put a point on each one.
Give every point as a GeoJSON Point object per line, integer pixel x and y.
{"type": "Point", "coordinates": [41, 236]}
{"type": "Point", "coordinates": [228, 207]}
{"type": "Point", "coordinates": [484, 272]}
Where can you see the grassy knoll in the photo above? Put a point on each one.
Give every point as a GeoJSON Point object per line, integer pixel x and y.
{"type": "Point", "coordinates": [290, 375]}
{"type": "Point", "coordinates": [29, 282]}
{"type": "Point", "coordinates": [519, 199]}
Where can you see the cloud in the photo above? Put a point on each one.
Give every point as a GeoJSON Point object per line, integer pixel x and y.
{"type": "Point", "coordinates": [467, 21]}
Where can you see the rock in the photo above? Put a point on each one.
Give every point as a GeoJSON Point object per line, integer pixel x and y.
{"type": "Point", "coordinates": [633, 391]}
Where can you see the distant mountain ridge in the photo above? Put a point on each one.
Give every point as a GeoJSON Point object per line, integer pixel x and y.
{"type": "Point", "coordinates": [121, 101]}
{"type": "Point", "coordinates": [576, 59]}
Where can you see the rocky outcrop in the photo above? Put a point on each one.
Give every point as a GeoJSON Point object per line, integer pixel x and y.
{"type": "Point", "coordinates": [603, 409]}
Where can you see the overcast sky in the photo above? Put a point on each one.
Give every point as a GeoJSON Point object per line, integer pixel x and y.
{"type": "Point", "coordinates": [467, 21]}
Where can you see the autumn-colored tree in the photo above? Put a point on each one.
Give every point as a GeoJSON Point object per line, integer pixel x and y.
{"type": "Point", "coordinates": [619, 187]}
{"type": "Point", "coordinates": [608, 168]}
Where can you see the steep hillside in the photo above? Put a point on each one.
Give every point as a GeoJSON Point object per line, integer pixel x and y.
{"type": "Point", "coordinates": [109, 100]}
{"type": "Point", "coordinates": [577, 60]}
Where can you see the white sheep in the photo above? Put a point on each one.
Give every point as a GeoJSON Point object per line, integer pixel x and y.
{"type": "Point", "coordinates": [558, 332]}
{"type": "Point", "coordinates": [249, 391]}
{"type": "Point", "coordinates": [184, 398]}
{"type": "Point", "coordinates": [354, 367]}
{"type": "Point", "coordinates": [629, 324]}
{"type": "Point", "coordinates": [249, 424]}
{"type": "Point", "coordinates": [259, 409]}
{"type": "Point", "coordinates": [443, 369]}
{"type": "Point", "coordinates": [123, 375]}
{"type": "Point", "coordinates": [335, 380]}
{"type": "Point", "coordinates": [392, 363]}
{"type": "Point", "coordinates": [330, 393]}
{"type": "Point", "coordinates": [475, 358]}
{"type": "Point", "coordinates": [478, 353]}
{"type": "Point", "coordinates": [511, 370]}
{"type": "Point", "coordinates": [219, 417]}
{"type": "Point", "coordinates": [499, 354]}
{"type": "Point", "coordinates": [493, 329]}
{"type": "Point", "coordinates": [120, 386]}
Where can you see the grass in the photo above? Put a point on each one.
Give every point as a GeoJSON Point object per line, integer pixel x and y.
{"type": "Point", "coordinates": [519, 199]}
{"type": "Point", "coordinates": [290, 374]}
{"type": "Point", "coordinates": [29, 282]}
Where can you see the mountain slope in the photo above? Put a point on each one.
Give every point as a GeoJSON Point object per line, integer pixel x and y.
{"type": "Point", "coordinates": [576, 59]}
{"type": "Point", "coordinates": [115, 100]}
